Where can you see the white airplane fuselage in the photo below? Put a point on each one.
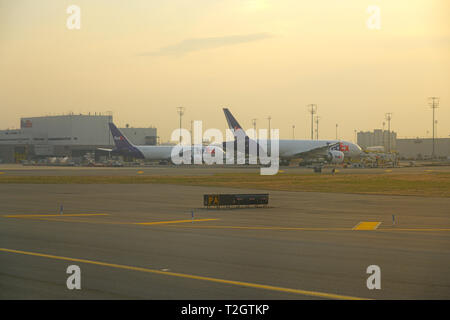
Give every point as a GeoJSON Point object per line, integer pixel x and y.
{"type": "Point", "coordinates": [289, 149]}
{"type": "Point", "coordinates": [156, 152]}
{"type": "Point", "coordinates": [165, 152]}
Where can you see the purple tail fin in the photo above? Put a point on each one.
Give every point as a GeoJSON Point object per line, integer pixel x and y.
{"type": "Point", "coordinates": [120, 140]}
{"type": "Point", "coordinates": [238, 131]}
{"type": "Point", "coordinates": [232, 122]}
{"type": "Point", "coordinates": [122, 144]}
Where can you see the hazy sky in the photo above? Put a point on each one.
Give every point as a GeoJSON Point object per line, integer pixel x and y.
{"type": "Point", "coordinates": [141, 59]}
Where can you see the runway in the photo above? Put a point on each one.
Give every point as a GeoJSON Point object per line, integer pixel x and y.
{"type": "Point", "coordinates": [20, 170]}
{"type": "Point", "coordinates": [141, 242]}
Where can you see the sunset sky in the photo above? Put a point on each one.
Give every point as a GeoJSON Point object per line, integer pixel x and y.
{"type": "Point", "coordinates": [141, 59]}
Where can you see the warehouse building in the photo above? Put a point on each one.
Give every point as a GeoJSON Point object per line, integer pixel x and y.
{"type": "Point", "coordinates": [422, 148]}
{"type": "Point", "coordinates": [416, 148]}
{"type": "Point", "coordinates": [378, 138]}
{"type": "Point", "coordinates": [65, 136]}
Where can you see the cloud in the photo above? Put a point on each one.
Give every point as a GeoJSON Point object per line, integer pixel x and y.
{"type": "Point", "coordinates": [196, 44]}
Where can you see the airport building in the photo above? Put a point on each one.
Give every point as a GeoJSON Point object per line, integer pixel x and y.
{"type": "Point", "coordinates": [422, 148]}
{"type": "Point", "coordinates": [377, 138]}
{"type": "Point", "coordinates": [65, 136]}
{"type": "Point", "coordinates": [416, 148]}
{"type": "Point", "coordinates": [140, 136]}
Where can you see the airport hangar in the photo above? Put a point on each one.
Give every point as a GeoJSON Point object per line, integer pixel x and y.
{"type": "Point", "coordinates": [407, 148]}
{"type": "Point", "coordinates": [72, 135]}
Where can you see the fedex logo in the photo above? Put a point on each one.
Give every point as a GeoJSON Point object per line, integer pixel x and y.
{"type": "Point", "coordinates": [343, 147]}
{"type": "Point", "coordinates": [121, 138]}
{"type": "Point", "coordinates": [211, 151]}
{"type": "Point", "coordinates": [236, 128]}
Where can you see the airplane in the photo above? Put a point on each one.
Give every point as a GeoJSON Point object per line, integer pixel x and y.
{"type": "Point", "coordinates": [334, 151]}
{"type": "Point", "coordinates": [164, 153]}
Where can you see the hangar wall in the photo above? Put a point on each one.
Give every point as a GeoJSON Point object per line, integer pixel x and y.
{"type": "Point", "coordinates": [64, 135]}
{"type": "Point", "coordinates": [420, 148]}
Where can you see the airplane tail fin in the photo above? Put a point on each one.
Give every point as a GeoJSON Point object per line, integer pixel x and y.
{"type": "Point", "coordinates": [232, 122]}
{"type": "Point", "coordinates": [120, 141]}
{"type": "Point", "coordinates": [239, 132]}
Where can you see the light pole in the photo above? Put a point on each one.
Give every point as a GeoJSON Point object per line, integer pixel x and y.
{"type": "Point", "coordinates": [434, 104]}
{"type": "Point", "coordinates": [192, 136]}
{"type": "Point", "coordinates": [388, 117]}
{"type": "Point", "coordinates": [293, 132]}
{"type": "Point", "coordinates": [312, 110]}
{"type": "Point", "coordinates": [180, 111]}
{"type": "Point", "coordinates": [254, 125]}
{"type": "Point", "coordinates": [436, 130]}
{"type": "Point", "coordinates": [255, 136]}
{"type": "Point", "coordinates": [336, 131]}
{"type": "Point", "coordinates": [317, 127]}
{"type": "Point", "coordinates": [269, 118]}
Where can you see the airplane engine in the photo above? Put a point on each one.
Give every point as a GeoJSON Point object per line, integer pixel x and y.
{"type": "Point", "coordinates": [335, 156]}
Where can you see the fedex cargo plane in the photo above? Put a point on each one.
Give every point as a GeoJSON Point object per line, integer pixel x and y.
{"type": "Point", "coordinates": [333, 151]}
{"type": "Point", "coordinates": [124, 147]}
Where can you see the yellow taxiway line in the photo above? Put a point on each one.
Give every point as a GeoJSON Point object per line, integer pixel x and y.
{"type": "Point", "coordinates": [310, 229]}
{"type": "Point", "coordinates": [129, 223]}
{"type": "Point", "coordinates": [60, 217]}
{"type": "Point", "coordinates": [266, 228]}
{"type": "Point", "coordinates": [80, 221]}
{"type": "Point", "coordinates": [172, 221]}
{"type": "Point", "coordinates": [54, 215]}
{"type": "Point", "coordinates": [367, 225]}
{"type": "Point", "coordinates": [414, 229]}
{"type": "Point", "coordinates": [189, 276]}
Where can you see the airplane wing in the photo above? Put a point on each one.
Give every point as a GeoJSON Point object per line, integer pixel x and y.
{"type": "Point", "coordinates": [316, 152]}
{"type": "Point", "coordinates": [105, 149]}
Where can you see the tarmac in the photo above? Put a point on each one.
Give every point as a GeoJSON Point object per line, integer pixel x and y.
{"type": "Point", "coordinates": [20, 170]}
{"type": "Point", "coordinates": [152, 241]}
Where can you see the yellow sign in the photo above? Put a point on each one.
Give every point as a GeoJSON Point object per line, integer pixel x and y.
{"type": "Point", "coordinates": [213, 200]}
